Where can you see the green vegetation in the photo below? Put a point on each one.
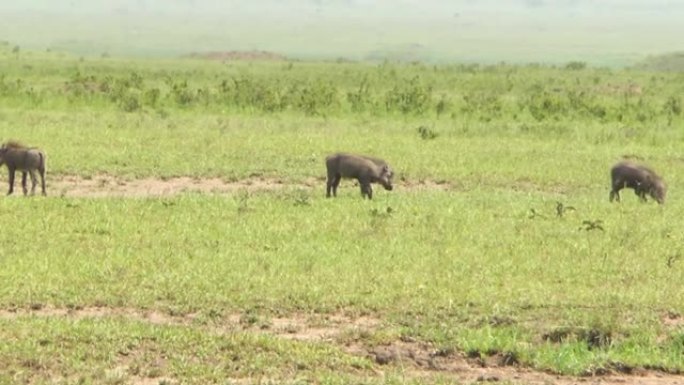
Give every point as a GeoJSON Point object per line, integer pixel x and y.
{"type": "Point", "coordinates": [114, 351]}
{"type": "Point", "coordinates": [494, 263]}
{"type": "Point", "coordinates": [460, 93]}
{"type": "Point", "coordinates": [670, 62]}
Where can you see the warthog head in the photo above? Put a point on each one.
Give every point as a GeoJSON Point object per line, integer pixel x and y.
{"type": "Point", "coordinates": [386, 175]}
{"type": "Point", "coordinates": [658, 191]}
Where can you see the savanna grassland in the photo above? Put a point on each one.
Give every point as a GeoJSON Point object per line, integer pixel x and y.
{"type": "Point", "coordinates": [497, 250]}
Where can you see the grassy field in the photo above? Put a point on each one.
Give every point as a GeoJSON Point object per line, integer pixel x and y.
{"type": "Point", "coordinates": [491, 263]}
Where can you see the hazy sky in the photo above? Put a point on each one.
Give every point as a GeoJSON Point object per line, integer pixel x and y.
{"type": "Point", "coordinates": [604, 31]}
{"type": "Point", "coordinates": [390, 7]}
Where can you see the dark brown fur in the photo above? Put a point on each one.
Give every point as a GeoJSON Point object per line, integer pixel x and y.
{"type": "Point", "coordinates": [27, 160]}
{"type": "Point", "coordinates": [642, 179]}
{"type": "Point", "coordinates": [377, 161]}
{"type": "Point", "coordinates": [14, 144]}
{"type": "Point", "coordinates": [366, 170]}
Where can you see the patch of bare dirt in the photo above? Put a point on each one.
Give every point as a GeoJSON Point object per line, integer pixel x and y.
{"type": "Point", "coordinates": [673, 320]}
{"type": "Point", "coordinates": [421, 360]}
{"type": "Point", "coordinates": [153, 381]}
{"type": "Point", "coordinates": [254, 55]}
{"type": "Point", "coordinates": [424, 184]}
{"type": "Point", "coordinates": [629, 89]}
{"type": "Point", "coordinates": [416, 360]}
{"type": "Point", "coordinates": [304, 328]}
{"type": "Point", "coordinates": [104, 185]}
{"type": "Point", "coordinates": [151, 316]}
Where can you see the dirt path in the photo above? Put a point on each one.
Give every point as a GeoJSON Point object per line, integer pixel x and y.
{"type": "Point", "coordinates": [106, 185]}
{"type": "Point", "coordinates": [110, 186]}
{"type": "Point", "coordinates": [415, 359]}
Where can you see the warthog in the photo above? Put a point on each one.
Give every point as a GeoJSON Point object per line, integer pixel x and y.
{"type": "Point", "coordinates": [27, 160]}
{"type": "Point", "coordinates": [642, 179]}
{"type": "Point", "coordinates": [366, 169]}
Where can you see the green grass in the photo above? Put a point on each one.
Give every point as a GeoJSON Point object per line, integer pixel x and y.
{"type": "Point", "coordinates": [483, 268]}
{"type": "Point", "coordinates": [201, 250]}
{"type": "Point", "coordinates": [113, 351]}
{"type": "Point", "coordinates": [502, 155]}
{"type": "Point", "coordinates": [443, 264]}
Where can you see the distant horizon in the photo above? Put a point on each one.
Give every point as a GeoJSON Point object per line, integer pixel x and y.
{"type": "Point", "coordinates": [614, 33]}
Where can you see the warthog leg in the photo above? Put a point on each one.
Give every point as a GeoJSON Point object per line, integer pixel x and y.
{"type": "Point", "coordinates": [366, 189]}
{"type": "Point", "coordinates": [42, 180]}
{"type": "Point", "coordinates": [23, 182]}
{"type": "Point", "coordinates": [34, 182]}
{"type": "Point", "coordinates": [333, 182]}
{"type": "Point", "coordinates": [11, 181]}
{"type": "Point", "coordinates": [614, 194]}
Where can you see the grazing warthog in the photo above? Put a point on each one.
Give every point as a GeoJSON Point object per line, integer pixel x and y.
{"type": "Point", "coordinates": [366, 169]}
{"type": "Point", "coordinates": [27, 160]}
{"type": "Point", "coordinates": [642, 179]}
